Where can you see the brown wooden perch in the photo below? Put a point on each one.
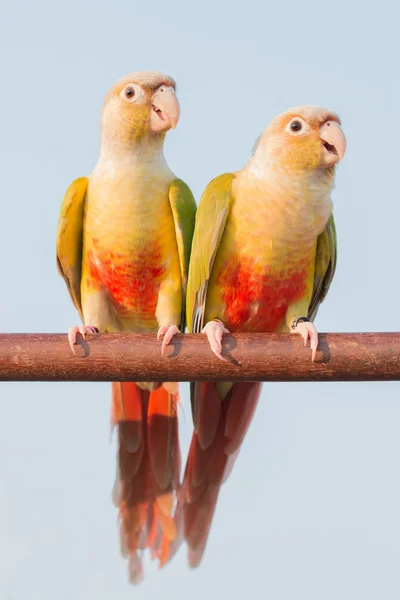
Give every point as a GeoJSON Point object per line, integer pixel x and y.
{"type": "Point", "coordinates": [250, 357]}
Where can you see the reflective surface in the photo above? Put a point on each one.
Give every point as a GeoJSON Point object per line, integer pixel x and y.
{"type": "Point", "coordinates": [311, 509]}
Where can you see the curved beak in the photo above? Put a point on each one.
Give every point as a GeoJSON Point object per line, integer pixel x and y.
{"type": "Point", "coordinates": [165, 109]}
{"type": "Point", "coordinates": [333, 142]}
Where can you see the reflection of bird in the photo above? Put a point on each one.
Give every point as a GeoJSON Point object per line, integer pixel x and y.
{"type": "Point", "coordinates": [263, 258]}
{"type": "Point", "coordinates": [123, 249]}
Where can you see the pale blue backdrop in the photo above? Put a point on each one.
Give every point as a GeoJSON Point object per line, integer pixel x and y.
{"type": "Point", "coordinates": [311, 510]}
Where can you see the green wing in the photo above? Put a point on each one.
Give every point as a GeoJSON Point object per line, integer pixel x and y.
{"type": "Point", "coordinates": [183, 207]}
{"type": "Point", "coordinates": [211, 217]}
{"type": "Point", "coordinates": [325, 266]}
{"type": "Point", "coordinates": [70, 239]}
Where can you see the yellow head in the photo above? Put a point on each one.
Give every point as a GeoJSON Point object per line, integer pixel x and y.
{"type": "Point", "coordinates": [304, 138]}
{"type": "Point", "coordinates": [140, 106]}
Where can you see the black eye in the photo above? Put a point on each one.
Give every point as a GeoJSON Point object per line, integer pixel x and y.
{"type": "Point", "coordinates": [296, 126]}
{"type": "Point", "coordinates": [129, 92]}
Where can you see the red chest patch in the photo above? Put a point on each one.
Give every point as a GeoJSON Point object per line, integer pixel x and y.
{"type": "Point", "coordinates": [257, 302]}
{"type": "Point", "coordinates": [132, 283]}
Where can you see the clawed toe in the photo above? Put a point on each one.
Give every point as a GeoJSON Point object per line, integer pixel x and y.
{"type": "Point", "coordinates": [214, 331]}
{"type": "Point", "coordinates": [83, 330]}
{"type": "Point", "coordinates": [308, 331]}
{"type": "Point", "coordinates": [167, 333]}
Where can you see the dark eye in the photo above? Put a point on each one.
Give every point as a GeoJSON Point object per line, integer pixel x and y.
{"type": "Point", "coordinates": [129, 92]}
{"type": "Point", "coordinates": [296, 126]}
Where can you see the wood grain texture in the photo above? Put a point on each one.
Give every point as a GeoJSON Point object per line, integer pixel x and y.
{"type": "Point", "coordinates": [250, 357]}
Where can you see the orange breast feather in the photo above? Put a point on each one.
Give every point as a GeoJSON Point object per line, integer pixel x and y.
{"type": "Point", "coordinates": [132, 280]}
{"type": "Point", "coordinates": [256, 300]}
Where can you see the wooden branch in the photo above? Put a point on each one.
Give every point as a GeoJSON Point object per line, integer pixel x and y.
{"type": "Point", "coordinates": [250, 357]}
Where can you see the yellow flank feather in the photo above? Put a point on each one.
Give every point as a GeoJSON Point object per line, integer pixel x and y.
{"type": "Point", "coordinates": [183, 207]}
{"type": "Point", "coordinates": [69, 238]}
{"type": "Point", "coordinates": [211, 217]}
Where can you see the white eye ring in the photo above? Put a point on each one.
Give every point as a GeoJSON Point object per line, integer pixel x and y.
{"type": "Point", "coordinates": [133, 93]}
{"type": "Point", "coordinates": [297, 126]}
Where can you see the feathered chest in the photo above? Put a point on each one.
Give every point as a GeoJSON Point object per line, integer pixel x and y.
{"type": "Point", "coordinates": [266, 256]}
{"type": "Point", "coordinates": [272, 226]}
{"type": "Point", "coordinates": [129, 240]}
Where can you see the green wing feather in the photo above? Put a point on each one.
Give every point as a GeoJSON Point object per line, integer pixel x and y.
{"type": "Point", "coordinates": [212, 213]}
{"type": "Point", "coordinates": [70, 239]}
{"type": "Point", "coordinates": [325, 266]}
{"type": "Point", "coordinates": [183, 207]}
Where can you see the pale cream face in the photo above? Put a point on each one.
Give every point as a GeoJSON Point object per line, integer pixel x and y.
{"type": "Point", "coordinates": [140, 104]}
{"type": "Point", "coordinates": [305, 138]}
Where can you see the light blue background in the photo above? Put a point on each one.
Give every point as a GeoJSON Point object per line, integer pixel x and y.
{"type": "Point", "coordinates": [311, 510]}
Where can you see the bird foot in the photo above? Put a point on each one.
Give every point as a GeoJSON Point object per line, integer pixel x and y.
{"type": "Point", "coordinates": [307, 331]}
{"type": "Point", "coordinates": [214, 331]}
{"type": "Point", "coordinates": [167, 333]}
{"type": "Point", "coordinates": [83, 330]}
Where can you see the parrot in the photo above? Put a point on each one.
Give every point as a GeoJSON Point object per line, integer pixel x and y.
{"type": "Point", "coordinates": [123, 246]}
{"type": "Point", "coordinates": [263, 258]}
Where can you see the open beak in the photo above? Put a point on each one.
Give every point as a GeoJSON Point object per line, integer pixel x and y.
{"type": "Point", "coordinates": [165, 109]}
{"type": "Point", "coordinates": [333, 143]}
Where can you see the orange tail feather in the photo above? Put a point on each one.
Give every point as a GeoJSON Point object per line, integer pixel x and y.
{"type": "Point", "coordinates": [148, 471]}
